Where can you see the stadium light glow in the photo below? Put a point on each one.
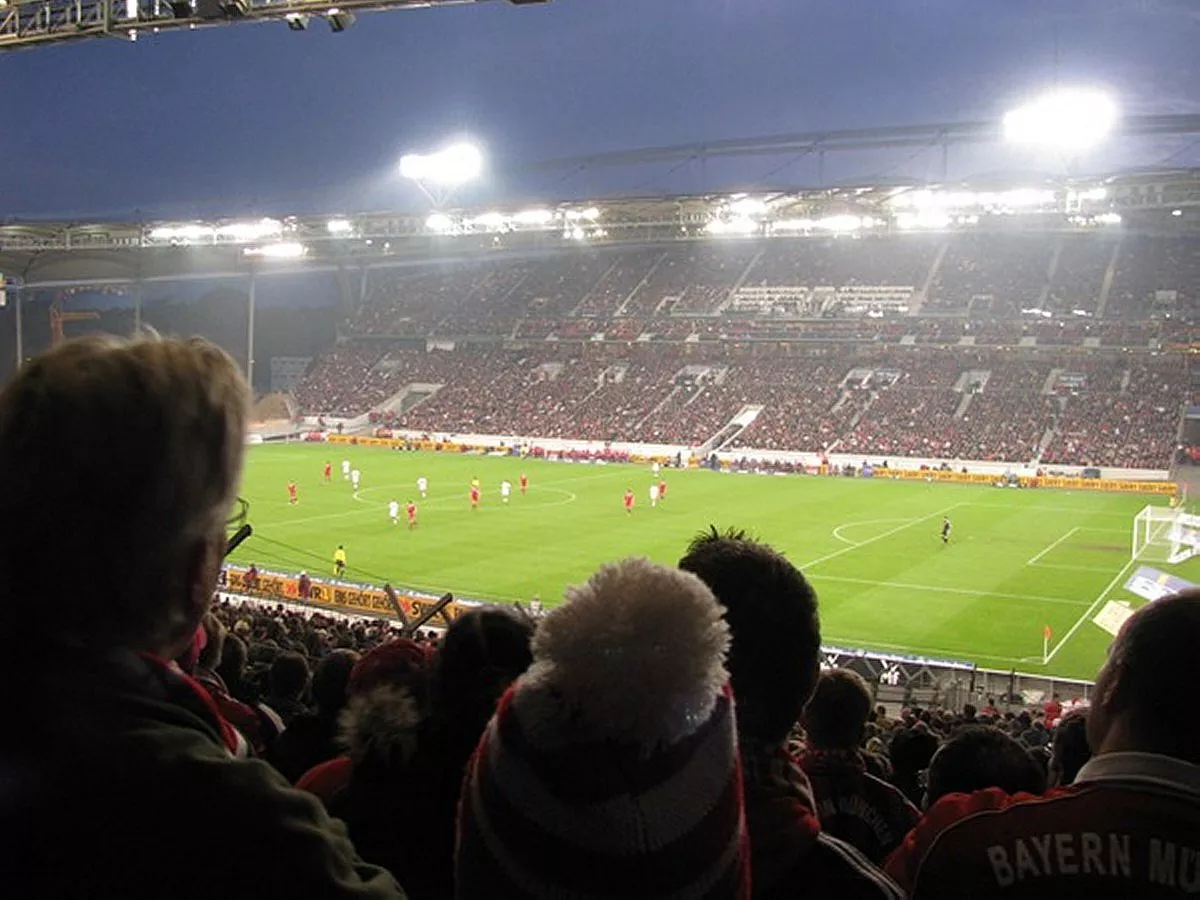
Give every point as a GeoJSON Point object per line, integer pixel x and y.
{"type": "Point", "coordinates": [250, 231]}
{"type": "Point", "coordinates": [186, 233]}
{"type": "Point", "coordinates": [748, 206]}
{"type": "Point", "coordinates": [534, 217]}
{"type": "Point", "coordinates": [440, 223]}
{"type": "Point", "coordinates": [450, 167]}
{"type": "Point", "coordinates": [733, 227]}
{"type": "Point", "coordinates": [1071, 119]}
{"type": "Point", "coordinates": [285, 250]}
{"type": "Point", "coordinates": [339, 226]}
{"type": "Point", "coordinates": [489, 220]}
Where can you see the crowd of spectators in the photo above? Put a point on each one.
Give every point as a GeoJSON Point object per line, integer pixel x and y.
{"type": "Point", "coordinates": [1133, 426]}
{"type": "Point", "coordinates": [664, 731]}
{"type": "Point", "coordinates": [991, 274]}
{"type": "Point", "coordinates": [1079, 272]}
{"type": "Point", "coordinates": [1010, 277]}
{"type": "Point", "coordinates": [965, 403]}
{"type": "Point", "coordinates": [1156, 275]}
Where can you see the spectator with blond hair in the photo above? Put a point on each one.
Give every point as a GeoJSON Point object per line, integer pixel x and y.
{"type": "Point", "coordinates": [122, 459]}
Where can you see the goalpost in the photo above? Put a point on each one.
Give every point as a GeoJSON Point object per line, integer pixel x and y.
{"type": "Point", "coordinates": [1165, 535]}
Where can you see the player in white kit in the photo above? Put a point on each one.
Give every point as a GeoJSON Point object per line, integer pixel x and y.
{"type": "Point", "coordinates": [346, 469]}
{"type": "Point", "coordinates": [354, 476]}
{"type": "Point", "coordinates": [654, 468]}
{"type": "Point", "coordinates": [422, 486]}
{"type": "Point", "coordinates": [654, 494]}
{"type": "Point", "coordinates": [505, 491]}
{"type": "Point", "coordinates": [394, 512]}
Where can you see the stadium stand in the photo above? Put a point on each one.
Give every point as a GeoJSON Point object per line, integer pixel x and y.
{"type": "Point", "coordinates": [668, 343]}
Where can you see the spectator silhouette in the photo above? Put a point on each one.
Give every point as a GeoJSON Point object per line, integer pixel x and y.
{"type": "Point", "coordinates": [401, 798]}
{"type": "Point", "coordinates": [610, 768]}
{"type": "Point", "coordinates": [122, 777]}
{"type": "Point", "coordinates": [1126, 827]}
{"type": "Point", "coordinates": [978, 757]}
{"type": "Point", "coordinates": [1069, 749]}
{"type": "Point", "coordinates": [852, 804]}
{"type": "Point", "coordinates": [311, 738]}
{"type": "Point", "coordinates": [774, 662]}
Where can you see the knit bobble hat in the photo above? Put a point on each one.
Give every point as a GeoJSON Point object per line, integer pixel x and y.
{"type": "Point", "coordinates": [610, 769]}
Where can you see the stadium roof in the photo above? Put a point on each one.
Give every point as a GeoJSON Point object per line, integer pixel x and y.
{"type": "Point", "coordinates": [943, 135]}
{"type": "Point", "coordinates": [68, 253]}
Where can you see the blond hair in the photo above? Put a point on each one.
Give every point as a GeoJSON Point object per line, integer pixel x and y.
{"type": "Point", "coordinates": [119, 456]}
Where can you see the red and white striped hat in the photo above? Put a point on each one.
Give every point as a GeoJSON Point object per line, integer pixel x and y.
{"type": "Point", "coordinates": [611, 768]}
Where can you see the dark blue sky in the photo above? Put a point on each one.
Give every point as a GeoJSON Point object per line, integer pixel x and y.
{"type": "Point", "coordinates": [254, 118]}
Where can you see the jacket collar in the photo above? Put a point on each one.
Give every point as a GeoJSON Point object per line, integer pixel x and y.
{"type": "Point", "coordinates": [1145, 768]}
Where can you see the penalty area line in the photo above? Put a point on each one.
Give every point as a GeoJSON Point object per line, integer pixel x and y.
{"type": "Point", "coordinates": [1087, 613]}
{"type": "Point", "coordinates": [1033, 559]}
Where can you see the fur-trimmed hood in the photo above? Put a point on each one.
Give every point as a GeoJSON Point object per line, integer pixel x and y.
{"type": "Point", "coordinates": [382, 725]}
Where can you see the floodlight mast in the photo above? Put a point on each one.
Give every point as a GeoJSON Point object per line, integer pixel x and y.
{"type": "Point", "coordinates": [441, 173]}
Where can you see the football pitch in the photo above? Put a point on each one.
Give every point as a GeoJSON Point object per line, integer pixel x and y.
{"type": "Point", "coordinates": [1017, 560]}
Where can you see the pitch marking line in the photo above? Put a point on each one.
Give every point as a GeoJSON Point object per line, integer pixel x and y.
{"type": "Point", "coordinates": [879, 537]}
{"type": "Point", "coordinates": [1033, 559]}
{"type": "Point", "coordinates": [938, 589]}
{"type": "Point", "coordinates": [1087, 613]}
{"type": "Point", "coordinates": [837, 532]}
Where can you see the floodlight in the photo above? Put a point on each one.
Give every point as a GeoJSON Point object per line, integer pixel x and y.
{"type": "Point", "coordinates": [748, 206]}
{"type": "Point", "coordinates": [533, 217]}
{"type": "Point", "coordinates": [181, 233]}
{"type": "Point", "coordinates": [250, 231]}
{"type": "Point", "coordinates": [339, 226]}
{"type": "Point", "coordinates": [456, 164]}
{"type": "Point", "coordinates": [339, 20]}
{"type": "Point", "coordinates": [1068, 119]}
{"type": "Point", "coordinates": [440, 223]}
{"type": "Point", "coordinates": [438, 174]}
{"type": "Point", "coordinates": [489, 220]}
{"type": "Point", "coordinates": [296, 21]}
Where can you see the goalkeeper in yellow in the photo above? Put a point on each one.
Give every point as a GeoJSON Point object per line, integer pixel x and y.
{"type": "Point", "coordinates": [339, 561]}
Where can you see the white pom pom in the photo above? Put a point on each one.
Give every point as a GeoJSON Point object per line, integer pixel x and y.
{"type": "Point", "coordinates": [636, 655]}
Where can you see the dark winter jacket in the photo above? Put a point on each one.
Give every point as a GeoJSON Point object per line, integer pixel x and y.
{"type": "Point", "coordinates": [119, 782]}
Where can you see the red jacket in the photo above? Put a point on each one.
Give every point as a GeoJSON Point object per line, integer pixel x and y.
{"type": "Point", "coordinates": [1128, 827]}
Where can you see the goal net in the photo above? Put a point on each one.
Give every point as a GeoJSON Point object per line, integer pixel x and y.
{"type": "Point", "coordinates": [1165, 535]}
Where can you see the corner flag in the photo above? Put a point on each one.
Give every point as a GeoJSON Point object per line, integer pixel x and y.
{"type": "Point", "coordinates": [1045, 644]}
{"type": "Point", "coordinates": [1046, 633]}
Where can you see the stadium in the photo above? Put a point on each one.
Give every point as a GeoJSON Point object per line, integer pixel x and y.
{"type": "Point", "coordinates": [937, 340]}
{"type": "Point", "coordinates": [964, 407]}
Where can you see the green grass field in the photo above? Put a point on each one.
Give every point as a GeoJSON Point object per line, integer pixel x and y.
{"type": "Point", "coordinates": [1017, 560]}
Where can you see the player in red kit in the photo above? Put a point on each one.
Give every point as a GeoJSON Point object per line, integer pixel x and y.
{"type": "Point", "coordinates": [629, 501]}
{"type": "Point", "coordinates": [292, 498]}
{"type": "Point", "coordinates": [662, 490]}
{"type": "Point", "coordinates": [411, 509]}
{"type": "Point", "coordinates": [474, 497]}
{"type": "Point", "coordinates": [524, 483]}
{"type": "Point", "coordinates": [328, 472]}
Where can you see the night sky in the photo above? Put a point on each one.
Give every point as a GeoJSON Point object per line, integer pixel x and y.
{"type": "Point", "coordinates": [254, 118]}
